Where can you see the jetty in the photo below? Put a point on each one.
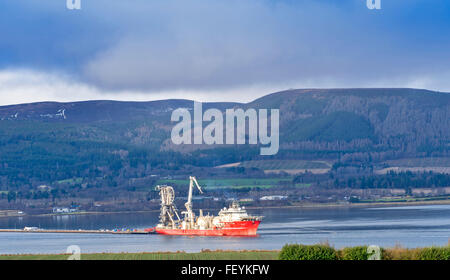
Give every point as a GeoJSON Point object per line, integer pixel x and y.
{"type": "Point", "coordinates": [34, 230]}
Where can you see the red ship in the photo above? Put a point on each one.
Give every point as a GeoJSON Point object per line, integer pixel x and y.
{"type": "Point", "coordinates": [232, 221]}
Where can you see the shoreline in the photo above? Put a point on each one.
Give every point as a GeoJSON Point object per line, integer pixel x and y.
{"type": "Point", "coordinates": [358, 205]}
{"type": "Point", "coordinates": [81, 231]}
{"type": "Point", "coordinates": [299, 206]}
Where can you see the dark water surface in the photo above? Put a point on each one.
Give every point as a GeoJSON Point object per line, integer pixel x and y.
{"type": "Point", "coordinates": [410, 226]}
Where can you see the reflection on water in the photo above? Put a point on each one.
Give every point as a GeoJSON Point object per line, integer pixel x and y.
{"type": "Point", "coordinates": [410, 226]}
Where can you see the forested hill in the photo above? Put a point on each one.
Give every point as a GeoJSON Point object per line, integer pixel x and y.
{"type": "Point", "coordinates": [398, 120]}
{"type": "Point", "coordinates": [50, 141]}
{"type": "Point", "coordinates": [407, 120]}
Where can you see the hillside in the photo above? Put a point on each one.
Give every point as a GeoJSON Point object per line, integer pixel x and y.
{"type": "Point", "coordinates": [406, 120]}
{"type": "Point", "coordinates": [96, 144]}
{"type": "Point", "coordinates": [401, 120]}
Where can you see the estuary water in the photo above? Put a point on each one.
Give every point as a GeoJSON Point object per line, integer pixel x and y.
{"type": "Point", "coordinates": [408, 226]}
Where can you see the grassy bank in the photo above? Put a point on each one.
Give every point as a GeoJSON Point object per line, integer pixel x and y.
{"type": "Point", "coordinates": [288, 252]}
{"type": "Point", "coordinates": [204, 255]}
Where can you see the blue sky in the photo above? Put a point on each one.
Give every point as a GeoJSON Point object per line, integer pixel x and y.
{"type": "Point", "coordinates": [209, 50]}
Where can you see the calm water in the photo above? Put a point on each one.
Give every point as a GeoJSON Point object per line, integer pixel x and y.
{"type": "Point", "coordinates": [410, 226]}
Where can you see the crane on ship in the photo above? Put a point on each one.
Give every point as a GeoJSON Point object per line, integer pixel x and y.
{"type": "Point", "coordinates": [189, 215]}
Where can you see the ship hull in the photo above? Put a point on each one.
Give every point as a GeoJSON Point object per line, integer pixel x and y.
{"type": "Point", "coordinates": [240, 228]}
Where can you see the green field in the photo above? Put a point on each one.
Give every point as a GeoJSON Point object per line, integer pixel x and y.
{"type": "Point", "coordinates": [420, 162]}
{"type": "Point", "coordinates": [76, 180]}
{"type": "Point", "coordinates": [239, 183]}
{"type": "Point", "coordinates": [204, 255]}
{"type": "Point", "coordinates": [284, 164]}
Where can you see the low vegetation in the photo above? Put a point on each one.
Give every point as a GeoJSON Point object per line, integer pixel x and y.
{"type": "Point", "coordinates": [307, 252]}
{"type": "Point", "coordinates": [326, 252]}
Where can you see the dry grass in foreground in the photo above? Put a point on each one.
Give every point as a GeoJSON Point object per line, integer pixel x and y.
{"type": "Point", "coordinates": [203, 255]}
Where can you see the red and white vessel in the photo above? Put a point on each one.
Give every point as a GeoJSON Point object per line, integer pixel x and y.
{"type": "Point", "coordinates": [232, 221]}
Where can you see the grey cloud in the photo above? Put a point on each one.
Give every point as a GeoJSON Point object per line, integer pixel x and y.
{"type": "Point", "coordinates": [223, 45]}
{"type": "Point", "coordinates": [237, 43]}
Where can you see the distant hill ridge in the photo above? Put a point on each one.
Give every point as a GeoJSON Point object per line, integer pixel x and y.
{"type": "Point", "coordinates": [381, 119]}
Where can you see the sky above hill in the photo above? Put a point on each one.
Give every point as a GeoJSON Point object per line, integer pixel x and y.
{"type": "Point", "coordinates": [217, 50]}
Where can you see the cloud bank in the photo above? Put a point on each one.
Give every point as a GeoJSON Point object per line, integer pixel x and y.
{"type": "Point", "coordinates": [216, 49]}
